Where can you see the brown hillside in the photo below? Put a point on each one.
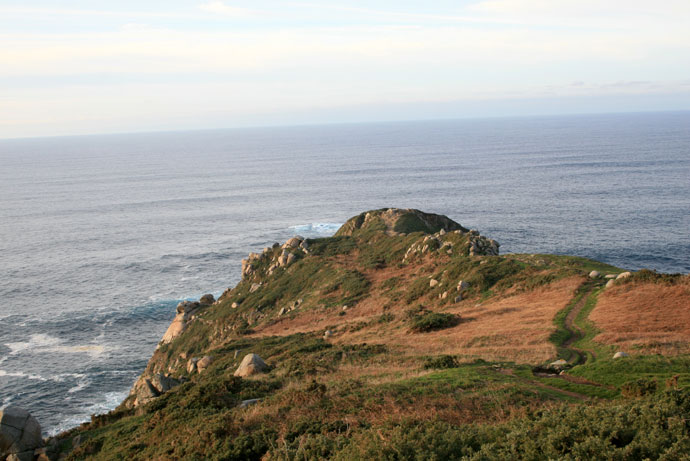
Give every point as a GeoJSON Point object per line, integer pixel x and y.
{"type": "Point", "coordinates": [645, 317]}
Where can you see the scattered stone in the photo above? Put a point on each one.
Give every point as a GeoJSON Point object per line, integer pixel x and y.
{"type": "Point", "coordinates": [458, 298]}
{"type": "Point", "coordinates": [207, 299]}
{"type": "Point", "coordinates": [191, 365]}
{"type": "Point", "coordinates": [282, 311]}
{"type": "Point", "coordinates": [248, 403]}
{"type": "Point", "coordinates": [620, 354]}
{"type": "Point", "coordinates": [251, 364]}
{"type": "Point", "coordinates": [20, 434]}
{"type": "Point", "coordinates": [254, 287]}
{"type": "Point", "coordinates": [462, 286]}
{"type": "Point", "coordinates": [247, 268]}
{"type": "Point", "coordinates": [444, 295]}
{"type": "Point", "coordinates": [187, 307]}
{"type": "Point", "coordinates": [235, 305]}
{"type": "Point", "coordinates": [204, 363]}
{"type": "Point", "coordinates": [610, 276]}
{"type": "Point", "coordinates": [328, 334]}
{"type": "Point", "coordinates": [558, 364]}
{"type": "Point", "coordinates": [594, 274]}
{"type": "Point", "coordinates": [433, 283]}
{"type": "Point", "coordinates": [163, 383]}
{"type": "Point", "coordinates": [345, 307]}
{"type": "Point", "coordinates": [610, 283]}
{"type": "Point", "coordinates": [623, 275]}
{"type": "Point", "coordinates": [294, 242]}
{"type": "Point", "coordinates": [237, 352]}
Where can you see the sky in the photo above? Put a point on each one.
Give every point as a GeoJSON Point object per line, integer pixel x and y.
{"type": "Point", "coordinates": [83, 67]}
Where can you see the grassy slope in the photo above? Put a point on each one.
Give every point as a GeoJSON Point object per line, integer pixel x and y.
{"type": "Point", "coordinates": [351, 399]}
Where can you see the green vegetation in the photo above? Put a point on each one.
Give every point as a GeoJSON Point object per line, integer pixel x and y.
{"type": "Point", "coordinates": [441, 362]}
{"type": "Point", "coordinates": [378, 387]}
{"type": "Point", "coordinates": [430, 321]}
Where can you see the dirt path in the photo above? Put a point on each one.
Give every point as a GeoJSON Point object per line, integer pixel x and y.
{"type": "Point", "coordinates": [576, 332]}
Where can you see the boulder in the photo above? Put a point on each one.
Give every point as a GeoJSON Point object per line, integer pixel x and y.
{"type": "Point", "coordinates": [558, 364]}
{"type": "Point", "coordinates": [248, 403]}
{"type": "Point", "coordinates": [235, 305]}
{"type": "Point", "coordinates": [433, 283]}
{"type": "Point", "coordinates": [458, 298]}
{"type": "Point", "coordinates": [163, 383]}
{"type": "Point", "coordinates": [247, 268]}
{"type": "Point", "coordinates": [191, 365]}
{"type": "Point", "coordinates": [594, 274]}
{"type": "Point", "coordinates": [623, 275]}
{"type": "Point", "coordinates": [610, 283]}
{"type": "Point", "coordinates": [610, 276]}
{"type": "Point", "coordinates": [207, 299]}
{"type": "Point", "coordinates": [20, 434]}
{"type": "Point", "coordinates": [462, 286]}
{"type": "Point", "coordinates": [185, 310]}
{"type": "Point", "coordinates": [143, 392]}
{"type": "Point", "coordinates": [204, 363]}
{"type": "Point", "coordinates": [187, 307]}
{"type": "Point", "coordinates": [251, 364]}
{"type": "Point", "coordinates": [294, 242]}
{"type": "Point", "coordinates": [620, 354]}
{"type": "Point", "coordinates": [327, 334]}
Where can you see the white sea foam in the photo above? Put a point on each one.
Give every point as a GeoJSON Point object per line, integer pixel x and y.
{"type": "Point", "coordinates": [82, 383]}
{"type": "Point", "coordinates": [42, 343]}
{"type": "Point", "coordinates": [317, 228]}
{"type": "Point", "coordinates": [36, 342]}
{"type": "Point", "coordinates": [20, 374]}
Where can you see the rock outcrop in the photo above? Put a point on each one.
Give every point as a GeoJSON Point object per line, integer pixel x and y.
{"type": "Point", "coordinates": [20, 434]}
{"type": "Point", "coordinates": [395, 221]}
{"type": "Point", "coordinates": [185, 312]}
{"type": "Point", "coordinates": [251, 364]}
{"type": "Point", "coordinates": [148, 388]}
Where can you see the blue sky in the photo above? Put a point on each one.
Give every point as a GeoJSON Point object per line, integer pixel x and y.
{"type": "Point", "coordinates": [79, 67]}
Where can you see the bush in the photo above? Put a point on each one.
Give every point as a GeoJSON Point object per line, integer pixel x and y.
{"type": "Point", "coordinates": [431, 321]}
{"type": "Point", "coordinates": [639, 388]}
{"type": "Point", "coordinates": [441, 362]}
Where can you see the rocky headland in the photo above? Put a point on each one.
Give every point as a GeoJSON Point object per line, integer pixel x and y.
{"type": "Point", "coordinates": [405, 336]}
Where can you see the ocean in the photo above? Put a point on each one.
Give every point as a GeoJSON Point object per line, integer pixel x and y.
{"type": "Point", "coordinates": [102, 236]}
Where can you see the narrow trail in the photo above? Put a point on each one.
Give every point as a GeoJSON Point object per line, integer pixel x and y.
{"type": "Point", "coordinates": [577, 356]}
{"type": "Point", "coordinates": [577, 333]}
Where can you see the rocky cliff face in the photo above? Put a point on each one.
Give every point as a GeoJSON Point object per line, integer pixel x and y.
{"type": "Point", "coordinates": [428, 235]}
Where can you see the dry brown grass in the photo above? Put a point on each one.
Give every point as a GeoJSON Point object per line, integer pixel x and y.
{"type": "Point", "coordinates": [514, 327]}
{"type": "Point", "coordinates": [645, 317]}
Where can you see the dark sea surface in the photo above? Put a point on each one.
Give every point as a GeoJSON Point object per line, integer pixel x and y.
{"type": "Point", "coordinates": [101, 236]}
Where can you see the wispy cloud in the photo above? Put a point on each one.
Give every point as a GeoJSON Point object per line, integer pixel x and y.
{"type": "Point", "coordinates": [221, 8]}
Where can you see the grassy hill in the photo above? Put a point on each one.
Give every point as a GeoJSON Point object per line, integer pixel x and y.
{"type": "Point", "coordinates": [406, 336]}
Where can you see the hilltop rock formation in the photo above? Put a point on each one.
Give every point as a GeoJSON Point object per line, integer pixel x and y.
{"type": "Point", "coordinates": [395, 221]}
{"type": "Point", "coordinates": [20, 434]}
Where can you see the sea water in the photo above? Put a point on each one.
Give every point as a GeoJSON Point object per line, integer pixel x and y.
{"type": "Point", "coordinates": [101, 236]}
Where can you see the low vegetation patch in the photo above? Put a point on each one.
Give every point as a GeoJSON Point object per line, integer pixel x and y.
{"type": "Point", "coordinates": [430, 321]}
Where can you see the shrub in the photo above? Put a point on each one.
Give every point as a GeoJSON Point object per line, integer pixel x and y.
{"type": "Point", "coordinates": [431, 321]}
{"type": "Point", "coordinates": [639, 388]}
{"type": "Point", "coordinates": [441, 362]}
